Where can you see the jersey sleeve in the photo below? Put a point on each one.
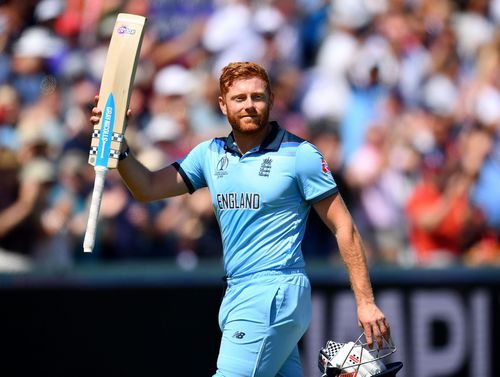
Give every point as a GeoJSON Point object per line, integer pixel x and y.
{"type": "Point", "coordinates": [191, 167]}
{"type": "Point", "coordinates": [313, 174]}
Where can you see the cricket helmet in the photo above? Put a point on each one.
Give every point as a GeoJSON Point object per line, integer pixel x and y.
{"type": "Point", "coordinates": [356, 359]}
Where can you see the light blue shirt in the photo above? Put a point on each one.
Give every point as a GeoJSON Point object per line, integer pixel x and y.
{"type": "Point", "coordinates": [261, 199]}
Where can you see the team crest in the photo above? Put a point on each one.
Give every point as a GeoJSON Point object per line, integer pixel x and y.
{"type": "Point", "coordinates": [265, 168]}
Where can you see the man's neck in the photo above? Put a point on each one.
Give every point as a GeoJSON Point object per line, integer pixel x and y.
{"type": "Point", "coordinates": [246, 142]}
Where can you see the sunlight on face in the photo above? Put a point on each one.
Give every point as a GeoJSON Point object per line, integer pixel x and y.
{"type": "Point", "coordinates": [247, 105]}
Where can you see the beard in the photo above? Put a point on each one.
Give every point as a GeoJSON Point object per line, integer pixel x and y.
{"type": "Point", "coordinates": [249, 124]}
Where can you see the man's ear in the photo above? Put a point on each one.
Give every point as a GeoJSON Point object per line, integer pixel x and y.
{"type": "Point", "coordinates": [271, 100]}
{"type": "Point", "coordinates": [222, 105]}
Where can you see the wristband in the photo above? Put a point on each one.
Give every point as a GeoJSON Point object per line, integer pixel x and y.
{"type": "Point", "coordinates": [124, 154]}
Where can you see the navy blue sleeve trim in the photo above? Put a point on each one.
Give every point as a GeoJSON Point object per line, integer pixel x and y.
{"type": "Point", "coordinates": [184, 176]}
{"type": "Point", "coordinates": [326, 194]}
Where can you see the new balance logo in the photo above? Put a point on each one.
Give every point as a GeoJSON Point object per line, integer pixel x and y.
{"type": "Point", "coordinates": [265, 168]}
{"type": "Point", "coordinates": [238, 335]}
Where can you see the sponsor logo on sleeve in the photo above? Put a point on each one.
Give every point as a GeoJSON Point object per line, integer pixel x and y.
{"type": "Point", "coordinates": [324, 166]}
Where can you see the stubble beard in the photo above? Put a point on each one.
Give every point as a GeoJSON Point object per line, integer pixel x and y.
{"type": "Point", "coordinates": [246, 126]}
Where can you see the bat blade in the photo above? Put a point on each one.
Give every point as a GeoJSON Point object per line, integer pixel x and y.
{"type": "Point", "coordinates": [114, 97]}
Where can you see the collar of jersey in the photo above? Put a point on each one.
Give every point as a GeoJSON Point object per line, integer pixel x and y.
{"type": "Point", "coordinates": [271, 143]}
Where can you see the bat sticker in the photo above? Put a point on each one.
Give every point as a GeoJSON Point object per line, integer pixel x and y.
{"type": "Point", "coordinates": [107, 129]}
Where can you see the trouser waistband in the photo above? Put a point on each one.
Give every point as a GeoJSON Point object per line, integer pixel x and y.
{"type": "Point", "coordinates": [253, 275]}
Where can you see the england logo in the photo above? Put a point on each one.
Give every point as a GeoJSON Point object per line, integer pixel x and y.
{"type": "Point", "coordinates": [265, 168]}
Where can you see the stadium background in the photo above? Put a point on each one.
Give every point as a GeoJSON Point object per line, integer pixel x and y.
{"type": "Point", "coordinates": [401, 96]}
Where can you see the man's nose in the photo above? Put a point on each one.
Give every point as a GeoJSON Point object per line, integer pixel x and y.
{"type": "Point", "coordinates": [249, 103]}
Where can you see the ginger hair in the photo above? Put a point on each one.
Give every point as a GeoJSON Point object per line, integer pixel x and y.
{"type": "Point", "coordinates": [241, 71]}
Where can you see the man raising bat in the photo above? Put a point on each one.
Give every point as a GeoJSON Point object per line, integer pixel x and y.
{"type": "Point", "coordinates": [263, 181]}
{"type": "Point", "coordinates": [114, 97]}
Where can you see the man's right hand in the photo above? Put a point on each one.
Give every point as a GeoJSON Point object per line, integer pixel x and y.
{"type": "Point", "coordinates": [96, 113]}
{"type": "Point", "coordinates": [96, 117]}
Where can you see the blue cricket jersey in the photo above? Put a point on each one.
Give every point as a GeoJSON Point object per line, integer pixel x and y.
{"type": "Point", "coordinates": [261, 199]}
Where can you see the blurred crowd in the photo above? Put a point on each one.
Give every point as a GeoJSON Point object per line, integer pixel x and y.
{"type": "Point", "coordinates": [401, 96]}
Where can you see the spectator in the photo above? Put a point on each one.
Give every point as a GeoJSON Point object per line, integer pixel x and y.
{"type": "Point", "coordinates": [441, 217]}
{"type": "Point", "coordinates": [392, 92]}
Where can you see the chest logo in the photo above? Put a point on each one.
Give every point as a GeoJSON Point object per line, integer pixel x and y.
{"type": "Point", "coordinates": [265, 168]}
{"type": "Point", "coordinates": [221, 168]}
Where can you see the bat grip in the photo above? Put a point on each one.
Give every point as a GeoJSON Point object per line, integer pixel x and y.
{"type": "Point", "coordinates": [95, 205]}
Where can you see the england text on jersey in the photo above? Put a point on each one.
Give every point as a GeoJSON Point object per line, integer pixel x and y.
{"type": "Point", "coordinates": [233, 200]}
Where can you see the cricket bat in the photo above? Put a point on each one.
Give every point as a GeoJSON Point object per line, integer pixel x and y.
{"type": "Point", "coordinates": [114, 98]}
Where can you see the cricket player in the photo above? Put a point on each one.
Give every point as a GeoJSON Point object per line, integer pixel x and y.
{"type": "Point", "coordinates": [263, 182]}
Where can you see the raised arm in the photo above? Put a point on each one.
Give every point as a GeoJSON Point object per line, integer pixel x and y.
{"type": "Point", "coordinates": [144, 184]}
{"type": "Point", "coordinates": [336, 216]}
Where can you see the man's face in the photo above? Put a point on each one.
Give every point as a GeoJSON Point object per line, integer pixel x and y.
{"type": "Point", "coordinates": [247, 105]}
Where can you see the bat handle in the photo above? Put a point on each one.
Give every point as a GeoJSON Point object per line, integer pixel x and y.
{"type": "Point", "coordinates": [95, 205]}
